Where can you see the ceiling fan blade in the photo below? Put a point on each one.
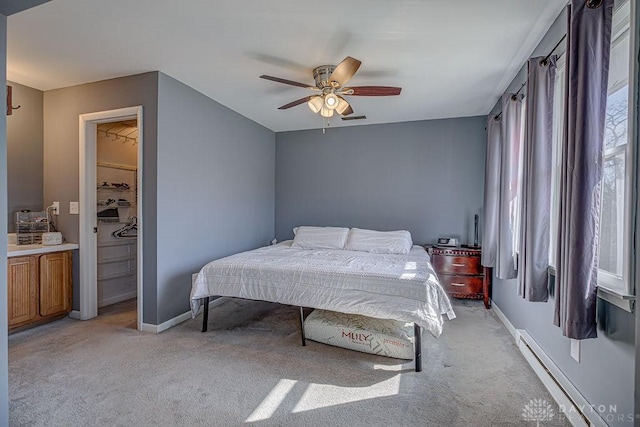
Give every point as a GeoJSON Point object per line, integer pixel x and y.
{"type": "Point", "coordinates": [345, 70]}
{"type": "Point", "coordinates": [296, 102]}
{"type": "Point", "coordinates": [287, 82]}
{"type": "Point", "coordinates": [348, 111]}
{"type": "Point", "coordinates": [343, 107]}
{"type": "Point", "coordinates": [372, 90]}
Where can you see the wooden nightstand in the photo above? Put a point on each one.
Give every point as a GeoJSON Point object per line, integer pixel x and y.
{"type": "Point", "coordinates": [460, 272]}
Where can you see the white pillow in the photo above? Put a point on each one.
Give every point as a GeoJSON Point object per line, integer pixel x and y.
{"type": "Point", "coordinates": [379, 242]}
{"type": "Point", "coordinates": [319, 237]}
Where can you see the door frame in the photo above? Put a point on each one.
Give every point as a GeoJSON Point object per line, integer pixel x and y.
{"type": "Point", "coordinates": [88, 255]}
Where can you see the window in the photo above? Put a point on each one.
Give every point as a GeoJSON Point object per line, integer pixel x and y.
{"type": "Point", "coordinates": [516, 203]}
{"type": "Point", "coordinates": [556, 156]}
{"type": "Point", "coordinates": [615, 214]}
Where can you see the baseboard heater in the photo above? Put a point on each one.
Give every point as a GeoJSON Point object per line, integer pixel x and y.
{"type": "Point", "coordinates": [572, 404]}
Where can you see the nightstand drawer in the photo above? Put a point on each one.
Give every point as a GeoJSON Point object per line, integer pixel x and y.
{"type": "Point", "coordinates": [462, 286]}
{"type": "Point", "coordinates": [451, 264]}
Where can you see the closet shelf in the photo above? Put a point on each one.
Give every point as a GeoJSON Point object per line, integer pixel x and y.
{"type": "Point", "coordinates": [117, 275]}
{"type": "Point", "coordinates": [113, 220]}
{"type": "Point", "coordinates": [117, 259]}
{"type": "Point", "coordinates": [117, 243]}
{"type": "Point", "coordinates": [123, 204]}
{"type": "Point", "coordinates": [117, 199]}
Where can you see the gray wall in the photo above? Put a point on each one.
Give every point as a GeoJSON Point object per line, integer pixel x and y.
{"type": "Point", "coordinates": [605, 374]}
{"type": "Point", "coordinates": [216, 188]}
{"type": "Point", "coordinates": [208, 179]}
{"type": "Point", "coordinates": [636, 58]}
{"type": "Point", "coordinates": [4, 360]}
{"type": "Point", "coordinates": [24, 152]}
{"type": "Point", "coordinates": [425, 176]}
{"type": "Point", "coordinates": [9, 7]}
{"type": "Point", "coordinates": [62, 108]}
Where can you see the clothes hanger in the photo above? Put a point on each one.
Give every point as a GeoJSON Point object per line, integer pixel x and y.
{"type": "Point", "coordinates": [129, 231]}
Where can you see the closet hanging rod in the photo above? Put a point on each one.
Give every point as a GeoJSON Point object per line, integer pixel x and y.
{"type": "Point", "coordinates": [117, 135]}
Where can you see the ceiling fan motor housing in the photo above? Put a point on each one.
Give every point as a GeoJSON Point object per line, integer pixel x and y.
{"type": "Point", "coordinates": [322, 74]}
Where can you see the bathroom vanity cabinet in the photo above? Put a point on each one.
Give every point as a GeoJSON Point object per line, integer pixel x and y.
{"type": "Point", "coordinates": [39, 288]}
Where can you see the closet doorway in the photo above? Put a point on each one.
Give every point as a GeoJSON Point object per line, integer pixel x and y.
{"type": "Point", "coordinates": [110, 212]}
{"type": "Point", "coordinates": [117, 201]}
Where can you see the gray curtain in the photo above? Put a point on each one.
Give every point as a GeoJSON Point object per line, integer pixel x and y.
{"type": "Point", "coordinates": [491, 192]}
{"type": "Point", "coordinates": [508, 199]}
{"type": "Point", "coordinates": [588, 49]}
{"type": "Point", "coordinates": [533, 261]}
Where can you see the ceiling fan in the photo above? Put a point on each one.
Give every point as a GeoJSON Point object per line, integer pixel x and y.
{"type": "Point", "coordinates": [330, 88]}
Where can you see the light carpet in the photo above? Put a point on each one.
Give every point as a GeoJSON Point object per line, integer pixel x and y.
{"type": "Point", "coordinates": [250, 369]}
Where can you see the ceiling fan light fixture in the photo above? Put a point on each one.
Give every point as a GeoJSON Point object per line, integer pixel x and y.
{"type": "Point", "coordinates": [342, 105]}
{"type": "Point", "coordinates": [316, 104]}
{"type": "Point", "coordinates": [326, 112]}
{"type": "Point", "coordinates": [331, 101]}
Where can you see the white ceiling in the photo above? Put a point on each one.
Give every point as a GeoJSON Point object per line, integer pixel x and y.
{"type": "Point", "coordinates": [452, 58]}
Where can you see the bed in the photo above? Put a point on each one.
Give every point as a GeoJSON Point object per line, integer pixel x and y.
{"type": "Point", "coordinates": [398, 286]}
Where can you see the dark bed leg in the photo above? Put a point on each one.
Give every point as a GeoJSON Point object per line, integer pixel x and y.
{"type": "Point", "coordinates": [417, 333]}
{"type": "Point", "coordinates": [205, 315]}
{"type": "Point", "coordinates": [304, 340]}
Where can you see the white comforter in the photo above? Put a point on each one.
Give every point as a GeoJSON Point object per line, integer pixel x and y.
{"type": "Point", "coordinates": [400, 287]}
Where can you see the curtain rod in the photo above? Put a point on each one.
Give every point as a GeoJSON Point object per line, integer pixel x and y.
{"type": "Point", "coordinates": [514, 97]}
{"type": "Point", "coordinates": [546, 58]}
{"type": "Point", "coordinates": [544, 61]}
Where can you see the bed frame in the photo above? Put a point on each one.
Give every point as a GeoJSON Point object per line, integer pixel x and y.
{"type": "Point", "coordinates": [416, 329]}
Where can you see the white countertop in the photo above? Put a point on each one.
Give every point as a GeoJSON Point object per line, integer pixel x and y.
{"type": "Point", "coordinates": [22, 250]}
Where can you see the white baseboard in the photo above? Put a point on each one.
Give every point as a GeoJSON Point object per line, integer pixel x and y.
{"type": "Point", "coordinates": [577, 410]}
{"type": "Point", "coordinates": [512, 330]}
{"type": "Point", "coordinates": [156, 329]}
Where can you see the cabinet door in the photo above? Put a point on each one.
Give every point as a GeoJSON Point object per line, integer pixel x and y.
{"type": "Point", "coordinates": [22, 289]}
{"type": "Point", "coordinates": [55, 283]}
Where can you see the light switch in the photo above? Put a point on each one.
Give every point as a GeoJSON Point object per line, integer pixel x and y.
{"type": "Point", "coordinates": [73, 208]}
